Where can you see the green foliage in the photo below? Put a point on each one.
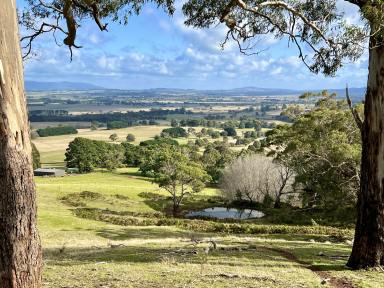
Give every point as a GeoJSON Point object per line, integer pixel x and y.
{"type": "Point", "coordinates": [175, 132]}
{"type": "Point", "coordinates": [174, 123]}
{"type": "Point", "coordinates": [112, 125]}
{"type": "Point", "coordinates": [231, 131]}
{"type": "Point", "coordinates": [35, 157]}
{"type": "Point", "coordinates": [132, 154]}
{"type": "Point", "coordinates": [175, 171]}
{"type": "Point", "coordinates": [131, 138]}
{"type": "Point", "coordinates": [215, 157]}
{"type": "Point", "coordinates": [323, 43]}
{"type": "Point", "coordinates": [86, 155]}
{"type": "Point", "coordinates": [54, 131]}
{"type": "Point", "coordinates": [113, 137]}
{"type": "Point", "coordinates": [324, 149]}
{"type": "Point", "coordinates": [159, 141]}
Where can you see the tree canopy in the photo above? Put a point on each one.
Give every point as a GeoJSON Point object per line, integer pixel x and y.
{"type": "Point", "coordinates": [65, 17]}
{"type": "Point", "coordinates": [322, 35]}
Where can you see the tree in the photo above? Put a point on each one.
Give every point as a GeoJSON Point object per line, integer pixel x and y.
{"type": "Point", "coordinates": [255, 177]}
{"type": "Point", "coordinates": [174, 123]}
{"type": "Point", "coordinates": [35, 157]}
{"type": "Point", "coordinates": [323, 44]}
{"type": "Point", "coordinates": [231, 131]}
{"type": "Point", "coordinates": [215, 158]}
{"type": "Point", "coordinates": [327, 140]}
{"type": "Point", "coordinates": [111, 156]}
{"type": "Point", "coordinates": [132, 154]}
{"type": "Point", "coordinates": [113, 137]}
{"type": "Point", "coordinates": [82, 154]}
{"type": "Point", "coordinates": [179, 175]}
{"type": "Point", "coordinates": [20, 252]}
{"type": "Point", "coordinates": [174, 132]}
{"type": "Point", "coordinates": [131, 138]}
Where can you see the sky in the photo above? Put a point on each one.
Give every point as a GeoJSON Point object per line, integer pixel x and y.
{"type": "Point", "coordinates": [158, 51]}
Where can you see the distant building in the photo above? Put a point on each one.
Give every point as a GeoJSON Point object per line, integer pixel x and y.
{"type": "Point", "coordinates": [49, 172]}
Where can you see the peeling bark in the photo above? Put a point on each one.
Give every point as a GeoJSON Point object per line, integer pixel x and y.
{"type": "Point", "coordinates": [20, 252]}
{"type": "Point", "coordinates": [368, 246]}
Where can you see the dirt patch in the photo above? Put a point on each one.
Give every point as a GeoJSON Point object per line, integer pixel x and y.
{"type": "Point", "coordinates": [325, 276]}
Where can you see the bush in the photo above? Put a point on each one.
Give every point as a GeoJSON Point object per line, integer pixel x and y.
{"type": "Point", "coordinates": [231, 131]}
{"type": "Point", "coordinates": [130, 137]}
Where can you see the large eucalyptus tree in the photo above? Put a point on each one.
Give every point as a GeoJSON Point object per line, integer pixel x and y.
{"type": "Point", "coordinates": [20, 252]}
{"type": "Point", "coordinates": [324, 41]}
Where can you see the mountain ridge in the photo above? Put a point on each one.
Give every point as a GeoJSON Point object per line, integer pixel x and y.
{"type": "Point", "coordinates": [31, 86]}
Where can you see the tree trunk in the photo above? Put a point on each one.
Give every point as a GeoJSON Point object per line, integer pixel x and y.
{"type": "Point", "coordinates": [20, 253]}
{"type": "Point", "coordinates": [277, 204]}
{"type": "Point", "coordinates": [175, 209]}
{"type": "Point", "coordinates": [369, 235]}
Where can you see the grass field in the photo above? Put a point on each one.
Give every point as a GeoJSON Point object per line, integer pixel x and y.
{"type": "Point", "coordinates": [81, 253]}
{"type": "Point", "coordinates": [52, 149]}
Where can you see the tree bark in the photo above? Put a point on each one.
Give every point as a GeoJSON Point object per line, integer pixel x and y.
{"type": "Point", "coordinates": [20, 252]}
{"type": "Point", "coordinates": [368, 245]}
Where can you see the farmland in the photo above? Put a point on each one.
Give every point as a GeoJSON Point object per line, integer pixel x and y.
{"type": "Point", "coordinates": [86, 253]}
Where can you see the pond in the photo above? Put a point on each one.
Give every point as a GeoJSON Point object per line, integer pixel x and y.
{"type": "Point", "coordinates": [226, 213]}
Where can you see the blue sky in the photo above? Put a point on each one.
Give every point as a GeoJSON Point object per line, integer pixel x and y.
{"type": "Point", "coordinates": [154, 50]}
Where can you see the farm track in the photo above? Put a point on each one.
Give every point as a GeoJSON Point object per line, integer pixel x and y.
{"type": "Point", "coordinates": [324, 275]}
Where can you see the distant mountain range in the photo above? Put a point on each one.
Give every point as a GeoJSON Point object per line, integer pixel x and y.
{"type": "Point", "coordinates": [59, 86]}
{"type": "Point", "coordinates": [357, 94]}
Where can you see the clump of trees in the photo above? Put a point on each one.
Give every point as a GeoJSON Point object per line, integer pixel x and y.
{"type": "Point", "coordinates": [323, 147]}
{"type": "Point", "coordinates": [255, 178]}
{"type": "Point", "coordinates": [215, 157]}
{"type": "Point", "coordinates": [174, 132]}
{"type": "Point", "coordinates": [55, 131]}
{"type": "Point", "coordinates": [86, 155]}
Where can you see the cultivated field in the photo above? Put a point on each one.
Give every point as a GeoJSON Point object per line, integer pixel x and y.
{"type": "Point", "coordinates": [52, 148]}
{"type": "Point", "coordinates": [83, 253]}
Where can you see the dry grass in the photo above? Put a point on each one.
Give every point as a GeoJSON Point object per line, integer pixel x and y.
{"type": "Point", "coordinates": [52, 148]}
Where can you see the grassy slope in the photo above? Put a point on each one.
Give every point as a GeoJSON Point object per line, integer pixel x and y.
{"type": "Point", "coordinates": [85, 253]}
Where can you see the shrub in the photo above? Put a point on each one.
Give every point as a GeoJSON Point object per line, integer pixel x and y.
{"type": "Point", "coordinates": [130, 137]}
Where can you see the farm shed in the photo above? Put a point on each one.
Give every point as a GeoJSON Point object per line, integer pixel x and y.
{"type": "Point", "coordinates": [49, 172]}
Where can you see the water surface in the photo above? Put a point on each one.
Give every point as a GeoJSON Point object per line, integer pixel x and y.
{"type": "Point", "coordinates": [226, 213]}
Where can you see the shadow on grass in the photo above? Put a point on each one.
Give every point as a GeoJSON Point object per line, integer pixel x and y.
{"type": "Point", "coordinates": [135, 175]}
{"type": "Point", "coordinates": [147, 233]}
{"type": "Point", "coordinates": [185, 253]}
{"type": "Point", "coordinates": [259, 257]}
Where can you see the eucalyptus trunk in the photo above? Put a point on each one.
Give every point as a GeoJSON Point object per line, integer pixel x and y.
{"type": "Point", "coordinates": [20, 253]}
{"type": "Point", "coordinates": [368, 245]}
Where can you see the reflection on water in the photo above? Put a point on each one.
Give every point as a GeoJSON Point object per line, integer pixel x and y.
{"type": "Point", "coordinates": [225, 213]}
